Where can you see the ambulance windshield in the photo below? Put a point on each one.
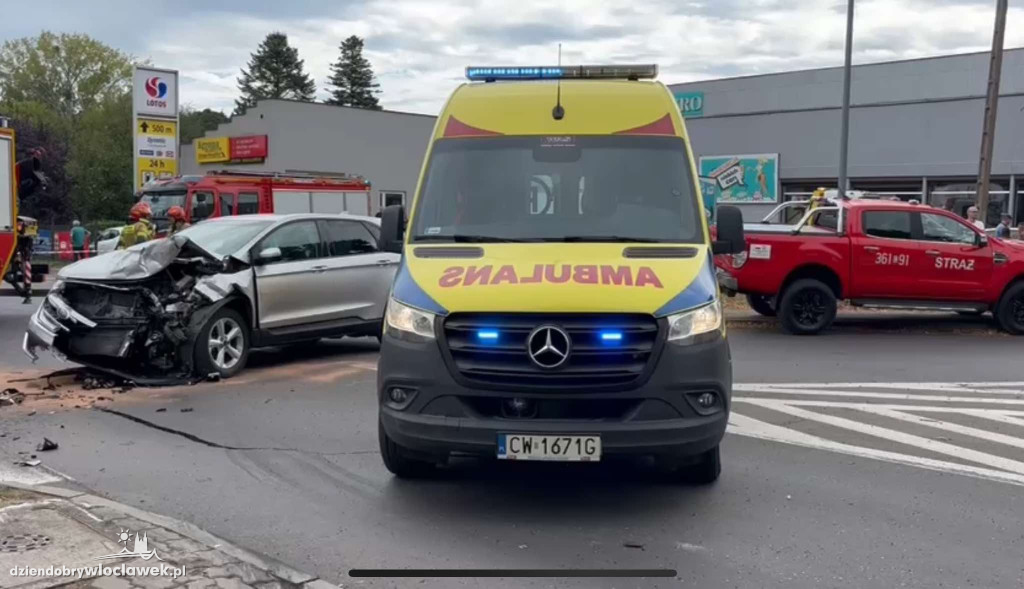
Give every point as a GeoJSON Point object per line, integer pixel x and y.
{"type": "Point", "coordinates": [564, 188]}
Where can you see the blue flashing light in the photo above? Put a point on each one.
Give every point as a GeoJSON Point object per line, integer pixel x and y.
{"type": "Point", "coordinates": [487, 335]}
{"type": "Point", "coordinates": [559, 72]}
{"type": "Point", "coordinates": [611, 336]}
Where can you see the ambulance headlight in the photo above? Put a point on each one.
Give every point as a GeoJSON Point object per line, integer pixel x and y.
{"type": "Point", "coordinates": [405, 322]}
{"type": "Point", "coordinates": [691, 326]}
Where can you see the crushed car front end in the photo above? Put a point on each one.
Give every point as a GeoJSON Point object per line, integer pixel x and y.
{"type": "Point", "coordinates": [136, 313]}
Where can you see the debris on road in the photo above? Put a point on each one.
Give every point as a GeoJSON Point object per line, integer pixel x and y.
{"type": "Point", "coordinates": [162, 410]}
{"type": "Point", "coordinates": [29, 462]}
{"type": "Point", "coordinates": [635, 545]}
{"type": "Point", "coordinates": [187, 410]}
{"type": "Point", "coordinates": [31, 413]}
{"type": "Point", "coordinates": [46, 445]}
{"type": "Point", "coordinates": [11, 396]}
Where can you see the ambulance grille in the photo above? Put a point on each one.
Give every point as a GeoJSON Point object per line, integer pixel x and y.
{"type": "Point", "coordinates": [593, 364]}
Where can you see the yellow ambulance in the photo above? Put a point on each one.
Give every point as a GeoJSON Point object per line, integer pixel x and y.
{"type": "Point", "coordinates": [557, 298]}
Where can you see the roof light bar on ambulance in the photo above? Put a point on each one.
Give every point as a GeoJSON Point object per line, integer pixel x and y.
{"type": "Point", "coordinates": [563, 72]}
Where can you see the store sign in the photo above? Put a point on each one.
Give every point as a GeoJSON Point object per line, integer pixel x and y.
{"type": "Point", "coordinates": [740, 178]}
{"type": "Point", "coordinates": [691, 104]}
{"type": "Point", "coordinates": [211, 150]}
{"type": "Point", "coordinates": [252, 147]}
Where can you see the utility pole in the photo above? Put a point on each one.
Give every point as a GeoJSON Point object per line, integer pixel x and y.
{"type": "Point", "coordinates": [844, 134]}
{"type": "Point", "coordinates": [988, 130]}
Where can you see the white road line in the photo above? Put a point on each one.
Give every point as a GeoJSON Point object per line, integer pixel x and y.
{"type": "Point", "coordinates": [939, 424]}
{"type": "Point", "coordinates": [893, 435]}
{"type": "Point", "coordinates": [750, 427]}
{"type": "Point", "coordinates": [922, 386]}
{"type": "Point", "coordinates": [994, 413]}
{"type": "Point", "coordinates": [864, 395]}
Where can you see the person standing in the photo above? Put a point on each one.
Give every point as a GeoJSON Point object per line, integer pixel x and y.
{"type": "Point", "coordinates": [178, 222]}
{"type": "Point", "coordinates": [141, 228]}
{"type": "Point", "coordinates": [1003, 228]}
{"type": "Point", "coordinates": [972, 217]}
{"type": "Point", "coordinates": [79, 235]}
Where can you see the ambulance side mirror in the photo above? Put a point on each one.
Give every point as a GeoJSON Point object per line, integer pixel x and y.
{"type": "Point", "coordinates": [730, 239]}
{"type": "Point", "coordinates": [392, 228]}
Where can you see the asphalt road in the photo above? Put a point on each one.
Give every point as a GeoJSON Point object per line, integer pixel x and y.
{"type": "Point", "coordinates": [915, 484]}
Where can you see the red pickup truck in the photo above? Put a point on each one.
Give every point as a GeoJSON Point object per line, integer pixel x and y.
{"type": "Point", "coordinates": [874, 253]}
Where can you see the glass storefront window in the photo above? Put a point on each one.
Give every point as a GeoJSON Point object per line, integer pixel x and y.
{"type": "Point", "coordinates": [957, 197]}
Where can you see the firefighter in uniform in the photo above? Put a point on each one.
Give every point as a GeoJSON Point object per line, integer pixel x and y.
{"type": "Point", "coordinates": [178, 222]}
{"type": "Point", "coordinates": [141, 228]}
{"type": "Point", "coordinates": [27, 232]}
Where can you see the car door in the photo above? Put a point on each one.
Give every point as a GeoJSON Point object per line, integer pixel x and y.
{"type": "Point", "coordinates": [360, 274]}
{"type": "Point", "coordinates": [292, 291]}
{"type": "Point", "coordinates": [958, 266]}
{"type": "Point", "coordinates": [884, 255]}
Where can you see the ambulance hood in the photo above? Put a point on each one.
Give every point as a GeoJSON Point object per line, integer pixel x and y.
{"type": "Point", "coordinates": [556, 278]}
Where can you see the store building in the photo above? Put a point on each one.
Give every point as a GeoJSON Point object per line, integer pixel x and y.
{"type": "Point", "coordinates": [384, 147]}
{"type": "Point", "coordinates": [915, 133]}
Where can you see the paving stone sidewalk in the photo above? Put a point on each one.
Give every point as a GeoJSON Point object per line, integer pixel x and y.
{"type": "Point", "coordinates": [44, 526]}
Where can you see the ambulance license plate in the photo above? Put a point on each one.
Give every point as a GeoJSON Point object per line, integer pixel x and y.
{"type": "Point", "coordinates": [556, 448]}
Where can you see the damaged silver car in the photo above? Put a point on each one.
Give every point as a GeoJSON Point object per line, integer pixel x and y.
{"type": "Point", "coordinates": [194, 304]}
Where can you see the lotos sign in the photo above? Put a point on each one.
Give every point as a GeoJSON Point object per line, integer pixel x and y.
{"type": "Point", "coordinates": [155, 92]}
{"type": "Point", "coordinates": [488, 275]}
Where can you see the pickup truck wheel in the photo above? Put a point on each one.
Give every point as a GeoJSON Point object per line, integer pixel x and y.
{"type": "Point", "coordinates": [807, 307]}
{"type": "Point", "coordinates": [1010, 312]}
{"type": "Point", "coordinates": [761, 304]}
{"type": "Point", "coordinates": [222, 345]}
{"type": "Point", "coordinates": [397, 460]}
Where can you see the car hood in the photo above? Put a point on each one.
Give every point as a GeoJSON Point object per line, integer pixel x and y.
{"type": "Point", "coordinates": [135, 263]}
{"type": "Point", "coordinates": [556, 277]}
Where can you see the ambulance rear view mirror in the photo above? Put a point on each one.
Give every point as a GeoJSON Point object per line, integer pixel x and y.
{"type": "Point", "coordinates": [392, 228]}
{"type": "Point", "coordinates": [730, 231]}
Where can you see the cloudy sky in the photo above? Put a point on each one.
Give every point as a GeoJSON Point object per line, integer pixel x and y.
{"type": "Point", "coordinates": [419, 48]}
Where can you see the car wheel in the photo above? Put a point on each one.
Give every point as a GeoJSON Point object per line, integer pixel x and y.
{"type": "Point", "coordinates": [223, 344]}
{"type": "Point", "coordinates": [1010, 311]}
{"type": "Point", "coordinates": [807, 307]}
{"type": "Point", "coordinates": [761, 304]}
{"type": "Point", "coordinates": [397, 460]}
{"type": "Point", "coordinates": [704, 471]}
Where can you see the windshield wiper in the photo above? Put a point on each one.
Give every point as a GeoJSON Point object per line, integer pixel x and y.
{"type": "Point", "coordinates": [466, 239]}
{"type": "Point", "coordinates": [605, 239]}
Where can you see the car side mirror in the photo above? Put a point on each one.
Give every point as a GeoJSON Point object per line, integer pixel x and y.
{"type": "Point", "coordinates": [268, 255]}
{"type": "Point", "coordinates": [981, 241]}
{"type": "Point", "coordinates": [730, 239]}
{"type": "Point", "coordinates": [392, 228]}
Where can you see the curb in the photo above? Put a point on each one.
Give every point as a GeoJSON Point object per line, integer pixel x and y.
{"type": "Point", "coordinates": [188, 530]}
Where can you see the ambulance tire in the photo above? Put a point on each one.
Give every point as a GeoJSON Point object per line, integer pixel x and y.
{"type": "Point", "coordinates": [761, 304]}
{"type": "Point", "coordinates": [397, 459]}
{"type": "Point", "coordinates": [1010, 311]}
{"type": "Point", "coordinates": [806, 307]}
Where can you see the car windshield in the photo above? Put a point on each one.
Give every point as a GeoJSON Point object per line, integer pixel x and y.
{"type": "Point", "coordinates": [226, 237]}
{"type": "Point", "coordinates": [583, 188]}
{"type": "Point", "coordinates": [160, 202]}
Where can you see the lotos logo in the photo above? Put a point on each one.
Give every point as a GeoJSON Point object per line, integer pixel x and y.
{"type": "Point", "coordinates": [156, 88]}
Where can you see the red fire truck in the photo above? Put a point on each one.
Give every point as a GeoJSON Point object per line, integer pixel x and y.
{"type": "Point", "coordinates": [246, 193]}
{"type": "Point", "coordinates": [18, 179]}
{"type": "Point", "coordinates": [874, 253]}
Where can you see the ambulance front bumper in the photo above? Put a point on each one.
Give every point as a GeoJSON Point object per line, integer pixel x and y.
{"type": "Point", "coordinates": [659, 417]}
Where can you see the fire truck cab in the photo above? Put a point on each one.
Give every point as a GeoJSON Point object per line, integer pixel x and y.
{"type": "Point", "coordinates": [232, 193]}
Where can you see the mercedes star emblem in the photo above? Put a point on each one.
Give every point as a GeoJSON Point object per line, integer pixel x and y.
{"type": "Point", "coordinates": [548, 346]}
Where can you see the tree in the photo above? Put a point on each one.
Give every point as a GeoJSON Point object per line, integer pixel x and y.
{"type": "Point", "coordinates": [101, 160]}
{"type": "Point", "coordinates": [194, 123]}
{"type": "Point", "coordinates": [274, 71]}
{"type": "Point", "coordinates": [352, 77]}
{"type": "Point", "coordinates": [67, 73]}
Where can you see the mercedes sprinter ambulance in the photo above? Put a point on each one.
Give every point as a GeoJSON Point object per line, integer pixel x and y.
{"type": "Point", "coordinates": [557, 298]}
